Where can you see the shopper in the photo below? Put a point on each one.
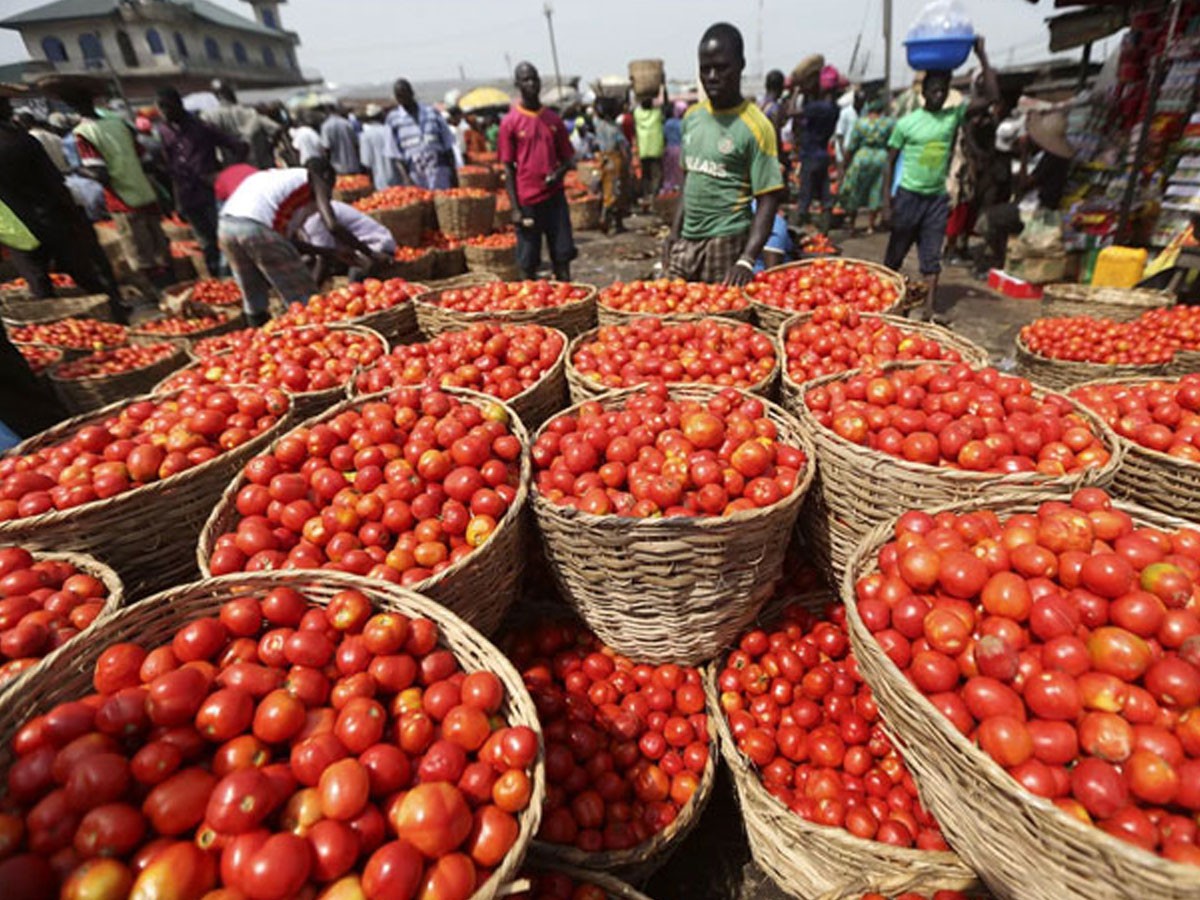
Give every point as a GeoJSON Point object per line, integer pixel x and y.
{"type": "Point", "coordinates": [377, 149]}
{"type": "Point", "coordinates": [259, 132]}
{"type": "Point", "coordinates": [342, 140]}
{"type": "Point", "coordinates": [536, 153]}
{"type": "Point", "coordinates": [817, 122]}
{"type": "Point", "coordinates": [612, 151]}
{"type": "Point", "coordinates": [190, 155]}
{"type": "Point", "coordinates": [866, 155]}
{"type": "Point", "coordinates": [729, 159]}
{"type": "Point", "coordinates": [920, 210]}
{"type": "Point", "coordinates": [425, 140]}
{"type": "Point", "coordinates": [651, 144]}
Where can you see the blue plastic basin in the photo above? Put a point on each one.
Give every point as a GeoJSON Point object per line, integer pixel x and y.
{"type": "Point", "coordinates": [944, 53]}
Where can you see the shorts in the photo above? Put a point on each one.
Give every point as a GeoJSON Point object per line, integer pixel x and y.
{"type": "Point", "coordinates": [918, 219]}
{"type": "Point", "coordinates": [705, 259]}
{"type": "Point", "coordinates": [552, 218]}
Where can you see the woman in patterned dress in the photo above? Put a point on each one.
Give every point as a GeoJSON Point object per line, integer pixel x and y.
{"type": "Point", "coordinates": [867, 153]}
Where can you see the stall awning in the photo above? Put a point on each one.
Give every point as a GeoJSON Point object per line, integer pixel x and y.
{"type": "Point", "coordinates": [1074, 29]}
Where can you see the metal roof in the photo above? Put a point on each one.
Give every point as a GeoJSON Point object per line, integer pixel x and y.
{"type": "Point", "coordinates": [61, 10]}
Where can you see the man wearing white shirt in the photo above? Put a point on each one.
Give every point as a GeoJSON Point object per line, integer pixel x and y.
{"type": "Point", "coordinates": [308, 143]}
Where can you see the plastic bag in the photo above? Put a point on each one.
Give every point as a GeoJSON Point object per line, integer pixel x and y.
{"type": "Point", "coordinates": [941, 18]}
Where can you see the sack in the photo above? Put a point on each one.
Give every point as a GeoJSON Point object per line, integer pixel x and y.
{"type": "Point", "coordinates": [940, 19]}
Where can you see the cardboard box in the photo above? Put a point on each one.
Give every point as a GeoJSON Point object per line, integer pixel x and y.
{"type": "Point", "coordinates": [1012, 286]}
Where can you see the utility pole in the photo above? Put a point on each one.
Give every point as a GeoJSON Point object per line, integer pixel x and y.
{"type": "Point", "coordinates": [508, 63]}
{"type": "Point", "coordinates": [462, 73]}
{"type": "Point", "coordinates": [549, 11]}
{"type": "Point", "coordinates": [887, 49]}
{"type": "Point", "coordinates": [758, 43]}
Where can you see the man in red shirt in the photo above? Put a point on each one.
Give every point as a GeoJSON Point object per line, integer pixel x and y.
{"type": "Point", "coordinates": [536, 152]}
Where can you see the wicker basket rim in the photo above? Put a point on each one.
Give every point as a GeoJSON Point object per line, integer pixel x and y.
{"type": "Point", "coordinates": [1031, 479]}
{"type": "Point", "coordinates": [879, 269]}
{"type": "Point", "coordinates": [81, 300]}
{"type": "Point", "coordinates": [70, 426]}
{"type": "Point", "coordinates": [510, 519]}
{"type": "Point", "coordinates": [681, 525]}
{"type": "Point", "coordinates": [231, 318]}
{"type": "Point", "coordinates": [1147, 297]}
{"type": "Point", "coordinates": [926, 329]}
{"type": "Point", "coordinates": [591, 333]}
{"type": "Point", "coordinates": [861, 562]}
{"type": "Point", "coordinates": [430, 298]}
{"type": "Point", "coordinates": [625, 312]}
{"type": "Point", "coordinates": [178, 351]}
{"type": "Point", "coordinates": [537, 862]}
{"type": "Point", "coordinates": [1022, 347]}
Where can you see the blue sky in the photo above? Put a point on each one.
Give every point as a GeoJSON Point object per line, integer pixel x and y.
{"type": "Point", "coordinates": [355, 41]}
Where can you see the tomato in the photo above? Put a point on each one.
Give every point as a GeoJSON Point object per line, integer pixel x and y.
{"type": "Point", "coordinates": [178, 804]}
{"type": "Point", "coordinates": [345, 787]}
{"type": "Point", "coordinates": [113, 829]}
{"type": "Point", "coordinates": [240, 801]}
{"type": "Point", "coordinates": [434, 818]}
{"type": "Point", "coordinates": [98, 879]}
{"type": "Point", "coordinates": [181, 871]}
{"type": "Point", "coordinates": [394, 870]}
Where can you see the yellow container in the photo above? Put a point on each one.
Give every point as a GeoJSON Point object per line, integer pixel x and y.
{"type": "Point", "coordinates": [1119, 267]}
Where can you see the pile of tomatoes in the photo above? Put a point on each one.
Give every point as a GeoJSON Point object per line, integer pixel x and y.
{"type": "Point", "coordinates": [399, 489]}
{"type": "Point", "coordinates": [439, 240]}
{"type": "Point", "coordinates": [823, 283]}
{"type": "Point", "coordinates": [1066, 644]}
{"type": "Point", "coordinates": [393, 197]}
{"type": "Point", "coordinates": [551, 885]}
{"type": "Point", "coordinates": [801, 713]}
{"type": "Point", "coordinates": [1157, 415]}
{"type": "Point", "coordinates": [216, 292]}
{"type": "Point", "coordinates": [350, 302]}
{"type": "Point", "coordinates": [352, 182]}
{"type": "Point", "coordinates": [501, 360]}
{"type": "Point", "coordinates": [509, 296]}
{"type": "Point", "coordinates": [299, 360]}
{"type": "Point", "coordinates": [144, 442]}
{"type": "Point", "coordinates": [838, 339]}
{"type": "Point", "coordinates": [1083, 339]}
{"type": "Point", "coordinates": [978, 420]}
{"type": "Point", "coordinates": [654, 456]}
{"type": "Point", "coordinates": [461, 193]}
{"type": "Point", "coordinates": [57, 279]}
{"type": "Point", "coordinates": [704, 351]}
{"type": "Point", "coordinates": [411, 254]}
{"type": "Point", "coordinates": [497, 240]}
{"type": "Point", "coordinates": [43, 604]}
{"type": "Point", "coordinates": [104, 363]}
{"type": "Point", "coordinates": [178, 326]}
{"type": "Point", "coordinates": [1179, 324]}
{"type": "Point", "coordinates": [222, 343]}
{"type": "Point", "coordinates": [626, 744]}
{"type": "Point", "coordinates": [269, 747]}
{"type": "Point", "coordinates": [39, 357]}
{"type": "Point", "coordinates": [818, 245]}
{"type": "Point", "coordinates": [72, 334]}
{"type": "Point", "coordinates": [671, 296]}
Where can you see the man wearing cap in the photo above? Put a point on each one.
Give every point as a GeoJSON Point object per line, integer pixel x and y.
{"type": "Point", "coordinates": [730, 159]}
{"type": "Point", "coordinates": [921, 208]}
{"type": "Point", "coordinates": [377, 149]}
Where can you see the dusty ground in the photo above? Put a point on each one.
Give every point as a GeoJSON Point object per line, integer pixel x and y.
{"type": "Point", "coordinates": [714, 862]}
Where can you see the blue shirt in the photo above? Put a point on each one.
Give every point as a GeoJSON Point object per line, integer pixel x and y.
{"type": "Point", "coordinates": [779, 240]}
{"type": "Point", "coordinates": [818, 120]}
{"type": "Point", "coordinates": [426, 145]}
{"type": "Point", "coordinates": [673, 131]}
{"type": "Point", "coordinates": [377, 147]}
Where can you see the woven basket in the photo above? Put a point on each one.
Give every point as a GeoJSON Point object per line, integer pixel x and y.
{"type": "Point", "coordinates": [585, 214]}
{"type": "Point", "coordinates": [614, 888]}
{"type": "Point", "coordinates": [418, 269]}
{"type": "Point", "coordinates": [147, 534]}
{"type": "Point", "coordinates": [1154, 479]}
{"type": "Point", "coordinates": [971, 353]}
{"type": "Point", "coordinates": [235, 322]}
{"type": "Point", "coordinates": [154, 622]}
{"type": "Point", "coordinates": [1184, 362]}
{"type": "Point", "coordinates": [351, 195]}
{"type": "Point", "coordinates": [464, 217]}
{"type": "Point", "coordinates": [821, 862]}
{"type": "Point", "coordinates": [81, 395]}
{"type": "Point", "coordinates": [25, 310]}
{"type": "Point", "coordinates": [483, 180]}
{"type": "Point", "coordinates": [1119, 304]}
{"type": "Point", "coordinates": [482, 585]}
{"type": "Point", "coordinates": [671, 589]}
{"type": "Point", "coordinates": [771, 317]}
{"type": "Point", "coordinates": [637, 864]}
{"type": "Point", "coordinates": [857, 488]}
{"type": "Point", "coordinates": [502, 260]}
{"type": "Point", "coordinates": [606, 315]}
{"type": "Point", "coordinates": [1023, 846]}
{"type": "Point", "coordinates": [397, 324]}
{"type": "Point", "coordinates": [116, 599]}
{"type": "Point", "coordinates": [449, 262]}
{"type": "Point", "coordinates": [1062, 375]}
{"type": "Point", "coordinates": [569, 318]}
{"type": "Point", "coordinates": [583, 388]}
{"type": "Point", "coordinates": [404, 222]}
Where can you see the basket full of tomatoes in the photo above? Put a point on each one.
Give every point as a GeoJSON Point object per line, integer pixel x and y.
{"type": "Point", "coordinates": [631, 751]}
{"type": "Point", "coordinates": [668, 539]}
{"type": "Point", "coordinates": [920, 434]}
{"type": "Point", "coordinates": [1118, 304]}
{"type": "Point", "coordinates": [568, 306]}
{"type": "Point", "coordinates": [494, 252]}
{"type": "Point", "coordinates": [403, 210]}
{"type": "Point", "coordinates": [25, 310]}
{"type": "Point", "coordinates": [273, 735]}
{"type": "Point", "coordinates": [1036, 663]}
{"type": "Point", "coordinates": [108, 376]}
{"type": "Point", "coordinates": [807, 284]}
{"type": "Point", "coordinates": [542, 879]}
{"type": "Point", "coordinates": [465, 212]}
{"type": "Point", "coordinates": [444, 517]}
{"type": "Point", "coordinates": [1158, 423]}
{"type": "Point", "coordinates": [383, 305]}
{"type": "Point", "coordinates": [714, 352]}
{"type": "Point", "coordinates": [1061, 353]}
{"type": "Point", "coordinates": [187, 328]}
{"type": "Point", "coordinates": [829, 808]}
{"type": "Point", "coordinates": [131, 484]}
{"type": "Point", "coordinates": [670, 298]}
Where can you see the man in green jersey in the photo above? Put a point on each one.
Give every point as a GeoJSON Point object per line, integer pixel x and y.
{"type": "Point", "coordinates": [921, 207]}
{"type": "Point", "coordinates": [730, 159]}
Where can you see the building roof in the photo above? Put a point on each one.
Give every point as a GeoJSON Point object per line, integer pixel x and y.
{"type": "Point", "coordinates": [61, 10]}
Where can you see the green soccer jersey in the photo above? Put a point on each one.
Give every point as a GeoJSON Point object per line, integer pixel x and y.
{"type": "Point", "coordinates": [927, 140]}
{"type": "Point", "coordinates": [730, 158]}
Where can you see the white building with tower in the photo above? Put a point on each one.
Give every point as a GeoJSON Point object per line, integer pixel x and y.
{"type": "Point", "coordinates": [147, 44]}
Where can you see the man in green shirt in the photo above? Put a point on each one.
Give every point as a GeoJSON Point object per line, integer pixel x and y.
{"type": "Point", "coordinates": [651, 144]}
{"type": "Point", "coordinates": [921, 206]}
{"type": "Point", "coordinates": [730, 158]}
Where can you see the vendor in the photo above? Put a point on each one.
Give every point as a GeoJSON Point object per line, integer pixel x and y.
{"type": "Point", "coordinates": [314, 238]}
{"type": "Point", "coordinates": [257, 223]}
{"type": "Point", "coordinates": [729, 159]}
